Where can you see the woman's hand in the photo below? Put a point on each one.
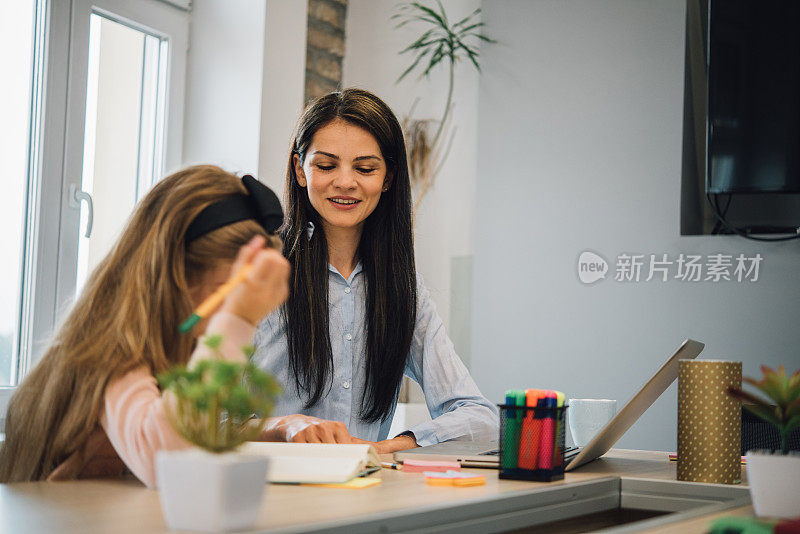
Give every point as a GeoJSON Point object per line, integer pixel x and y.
{"type": "Point", "coordinates": [387, 446]}
{"type": "Point", "coordinates": [264, 288]}
{"type": "Point", "coordinates": [306, 429]}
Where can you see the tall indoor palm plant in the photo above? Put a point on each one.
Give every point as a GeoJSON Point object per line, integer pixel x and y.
{"type": "Point", "coordinates": [442, 43]}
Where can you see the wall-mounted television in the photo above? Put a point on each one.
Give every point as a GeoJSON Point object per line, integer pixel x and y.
{"type": "Point", "coordinates": [753, 96]}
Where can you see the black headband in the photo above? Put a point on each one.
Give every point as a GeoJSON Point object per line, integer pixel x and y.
{"type": "Point", "coordinates": [260, 204]}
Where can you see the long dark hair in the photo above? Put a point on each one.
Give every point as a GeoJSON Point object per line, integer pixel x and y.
{"type": "Point", "coordinates": [386, 251]}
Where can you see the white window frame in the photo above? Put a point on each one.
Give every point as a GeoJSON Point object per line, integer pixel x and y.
{"type": "Point", "coordinates": [51, 244]}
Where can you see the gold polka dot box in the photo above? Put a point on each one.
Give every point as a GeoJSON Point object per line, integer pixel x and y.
{"type": "Point", "coordinates": [709, 421]}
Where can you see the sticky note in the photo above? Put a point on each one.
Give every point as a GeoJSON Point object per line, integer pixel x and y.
{"type": "Point", "coordinates": [356, 483]}
{"type": "Point", "coordinates": [453, 478]}
{"type": "Point", "coordinates": [418, 466]}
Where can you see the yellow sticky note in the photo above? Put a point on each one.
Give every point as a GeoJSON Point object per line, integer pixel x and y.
{"type": "Point", "coordinates": [454, 478]}
{"type": "Point", "coordinates": [356, 483]}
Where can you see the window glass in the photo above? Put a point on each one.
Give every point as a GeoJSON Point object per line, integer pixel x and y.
{"type": "Point", "coordinates": [16, 50]}
{"type": "Point", "coordinates": [123, 135]}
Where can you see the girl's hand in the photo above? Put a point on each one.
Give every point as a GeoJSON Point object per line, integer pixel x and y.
{"type": "Point", "coordinates": [264, 288]}
{"type": "Point", "coordinates": [306, 429]}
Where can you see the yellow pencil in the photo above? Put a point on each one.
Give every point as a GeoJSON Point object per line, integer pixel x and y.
{"type": "Point", "coordinates": [213, 301]}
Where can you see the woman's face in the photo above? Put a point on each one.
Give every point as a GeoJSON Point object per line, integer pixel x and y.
{"type": "Point", "coordinates": [344, 174]}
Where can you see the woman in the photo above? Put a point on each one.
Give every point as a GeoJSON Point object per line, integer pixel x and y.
{"type": "Point", "coordinates": [358, 317]}
{"type": "Point", "coordinates": [91, 406]}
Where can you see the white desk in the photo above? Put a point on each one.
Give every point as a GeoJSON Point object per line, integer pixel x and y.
{"type": "Point", "coordinates": [401, 502]}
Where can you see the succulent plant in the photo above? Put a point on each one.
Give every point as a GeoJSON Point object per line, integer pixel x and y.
{"type": "Point", "coordinates": [782, 404]}
{"type": "Point", "coordinates": [219, 404]}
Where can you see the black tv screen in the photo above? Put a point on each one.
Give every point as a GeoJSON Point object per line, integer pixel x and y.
{"type": "Point", "coordinates": [753, 96]}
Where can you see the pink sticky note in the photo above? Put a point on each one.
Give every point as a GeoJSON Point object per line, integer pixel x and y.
{"type": "Point", "coordinates": [419, 466]}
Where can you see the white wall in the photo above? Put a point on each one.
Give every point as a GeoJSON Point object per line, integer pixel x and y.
{"type": "Point", "coordinates": [443, 229]}
{"type": "Point", "coordinates": [223, 84]}
{"type": "Point", "coordinates": [283, 87]}
{"type": "Point", "coordinates": [580, 124]}
{"type": "Point", "coordinates": [245, 76]}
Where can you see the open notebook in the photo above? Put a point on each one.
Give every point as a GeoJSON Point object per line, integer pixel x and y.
{"type": "Point", "coordinates": [316, 463]}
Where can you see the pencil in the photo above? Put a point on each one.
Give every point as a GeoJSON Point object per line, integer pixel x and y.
{"type": "Point", "coordinates": [213, 300]}
{"type": "Point", "coordinates": [391, 465]}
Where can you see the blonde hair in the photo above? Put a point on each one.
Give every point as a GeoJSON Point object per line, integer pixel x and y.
{"type": "Point", "coordinates": [127, 316]}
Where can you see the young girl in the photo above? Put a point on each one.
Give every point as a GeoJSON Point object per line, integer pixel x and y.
{"type": "Point", "coordinates": [358, 317]}
{"type": "Point", "coordinates": [91, 406]}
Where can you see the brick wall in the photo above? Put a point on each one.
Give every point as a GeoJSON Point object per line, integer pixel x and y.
{"type": "Point", "coordinates": [324, 47]}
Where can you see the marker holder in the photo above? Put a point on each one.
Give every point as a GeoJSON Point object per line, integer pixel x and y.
{"type": "Point", "coordinates": [532, 442]}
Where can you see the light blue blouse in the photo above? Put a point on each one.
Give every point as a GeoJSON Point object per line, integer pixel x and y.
{"type": "Point", "coordinates": [457, 408]}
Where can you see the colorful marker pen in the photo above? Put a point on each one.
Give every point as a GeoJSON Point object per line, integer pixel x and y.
{"type": "Point", "coordinates": [545, 460]}
{"type": "Point", "coordinates": [558, 456]}
{"type": "Point", "coordinates": [512, 428]}
{"type": "Point", "coordinates": [529, 437]}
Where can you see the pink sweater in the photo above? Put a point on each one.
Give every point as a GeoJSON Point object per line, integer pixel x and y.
{"type": "Point", "coordinates": [133, 426]}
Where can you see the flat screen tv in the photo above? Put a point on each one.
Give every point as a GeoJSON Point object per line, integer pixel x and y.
{"type": "Point", "coordinates": [753, 96]}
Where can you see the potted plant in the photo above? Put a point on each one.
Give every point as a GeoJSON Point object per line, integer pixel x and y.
{"type": "Point", "coordinates": [218, 405]}
{"type": "Point", "coordinates": [442, 43]}
{"type": "Point", "coordinates": [774, 477]}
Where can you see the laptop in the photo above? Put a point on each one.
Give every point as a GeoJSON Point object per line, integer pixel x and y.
{"type": "Point", "coordinates": [486, 454]}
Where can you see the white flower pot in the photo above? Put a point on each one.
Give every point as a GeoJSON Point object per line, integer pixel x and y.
{"type": "Point", "coordinates": [774, 481]}
{"type": "Point", "coordinates": [210, 492]}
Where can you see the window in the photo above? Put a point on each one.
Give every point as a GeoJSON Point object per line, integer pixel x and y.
{"type": "Point", "coordinates": [123, 132]}
{"type": "Point", "coordinates": [92, 105]}
{"type": "Point", "coordinates": [17, 31]}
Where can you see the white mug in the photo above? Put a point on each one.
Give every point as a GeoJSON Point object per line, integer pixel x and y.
{"type": "Point", "coordinates": [587, 417]}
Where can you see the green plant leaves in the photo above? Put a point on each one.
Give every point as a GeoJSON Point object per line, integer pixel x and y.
{"type": "Point", "coordinates": [219, 404]}
{"type": "Point", "coordinates": [466, 19]}
{"type": "Point", "coordinates": [782, 407]}
{"type": "Point", "coordinates": [441, 41]}
{"type": "Point", "coordinates": [213, 341]}
{"type": "Point", "coordinates": [224, 373]}
{"type": "Point", "coordinates": [775, 385]}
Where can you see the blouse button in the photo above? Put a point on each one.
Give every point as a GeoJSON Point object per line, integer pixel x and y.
{"type": "Point", "coordinates": [347, 290]}
{"type": "Point", "coordinates": [346, 385]}
{"type": "Point", "coordinates": [348, 337]}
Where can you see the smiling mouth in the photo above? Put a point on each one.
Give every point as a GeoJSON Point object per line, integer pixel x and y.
{"type": "Point", "coordinates": [344, 202]}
